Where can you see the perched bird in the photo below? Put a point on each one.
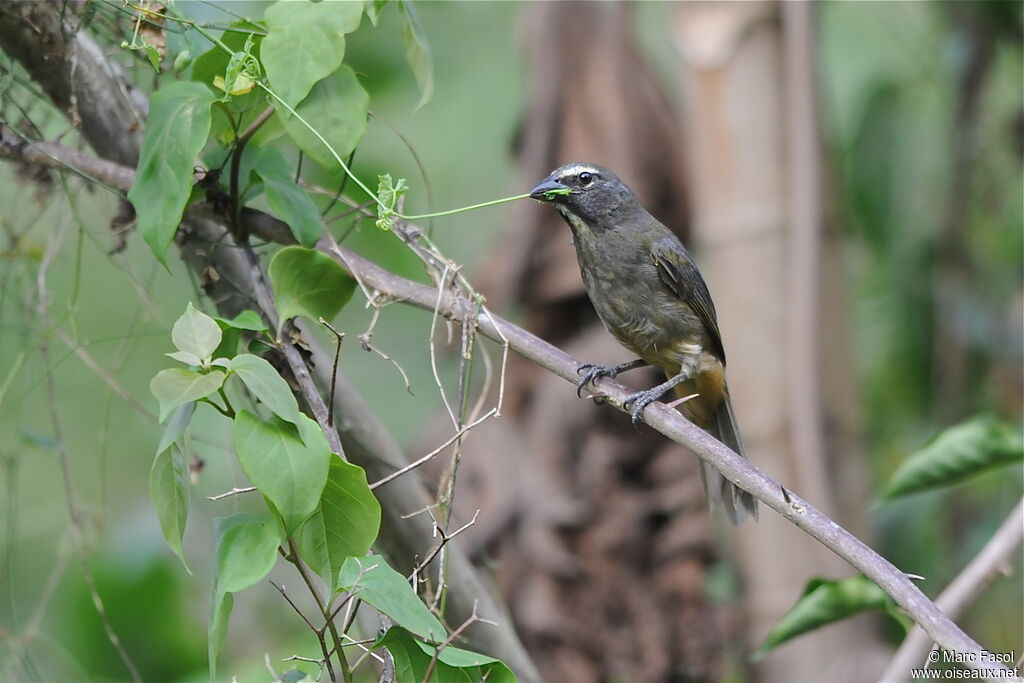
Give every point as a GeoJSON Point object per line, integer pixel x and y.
{"type": "Point", "coordinates": [649, 294]}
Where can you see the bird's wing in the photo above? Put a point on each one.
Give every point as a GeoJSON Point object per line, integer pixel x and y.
{"type": "Point", "coordinates": [679, 273]}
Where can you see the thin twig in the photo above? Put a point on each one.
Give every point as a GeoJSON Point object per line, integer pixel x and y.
{"type": "Point", "coordinates": [232, 492]}
{"type": "Point", "coordinates": [503, 341]}
{"type": "Point", "coordinates": [338, 338]}
{"type": "Point", "coordinates": [473, 618]}
{"type": "Point", "coordinates": [445, 538]}
{"type": "Point", "coordinates": [319, 632]}
{"type": "Point", "coordinates": [994, 559]}
{"type": "Point", "coordinates": [296, 559]}
{"type": "Point", "coordinates": [365, 337]}
{"type": "Point", "coordinates": [426, 458]}
{"type": "Point", "coordinates": [284, 594]}
{"type": "Point", "coordinates": [433, 353]}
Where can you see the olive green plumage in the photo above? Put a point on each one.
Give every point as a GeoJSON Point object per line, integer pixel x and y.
{"type": "Point", "coordinates": [648, 292]}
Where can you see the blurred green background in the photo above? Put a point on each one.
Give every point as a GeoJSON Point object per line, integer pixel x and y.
{"type": "Point", "coordinates": [889, 85]}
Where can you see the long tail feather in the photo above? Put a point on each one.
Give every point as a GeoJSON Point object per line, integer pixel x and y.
{"type": "Point", "coordinates": [737, 503]}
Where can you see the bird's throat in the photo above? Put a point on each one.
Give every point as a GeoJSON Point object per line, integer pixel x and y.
{"type": "Point", "coordinates": [576, 224]}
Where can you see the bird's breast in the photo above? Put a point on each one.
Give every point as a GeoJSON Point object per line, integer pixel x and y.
{"type": "Point", "coordinates": [632, 301]}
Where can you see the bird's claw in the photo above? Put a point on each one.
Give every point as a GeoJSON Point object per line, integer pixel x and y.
{"type": "Point", "coordinates": [638, 401]}
{"type": "Point", "coordinates": [590, 372]}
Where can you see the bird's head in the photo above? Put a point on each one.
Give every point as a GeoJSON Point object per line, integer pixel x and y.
{"type": "Point", "coordinates": [587, 192]}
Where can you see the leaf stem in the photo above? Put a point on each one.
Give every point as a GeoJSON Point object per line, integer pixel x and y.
{"type": "Point", "coordinates": [472, 207]}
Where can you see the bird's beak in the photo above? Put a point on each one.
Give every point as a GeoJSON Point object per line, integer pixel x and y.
{"type": "Point", "coordinates": [548, 190]}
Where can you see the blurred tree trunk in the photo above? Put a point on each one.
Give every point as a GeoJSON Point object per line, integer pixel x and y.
{"type": "Point", "coordinates": [777, 280]}
{"type": "Point", "coordinates": [601, 536]}
{"type": "Point", "coordinates": [600, 533]}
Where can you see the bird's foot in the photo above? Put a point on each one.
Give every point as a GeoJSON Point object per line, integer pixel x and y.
{"type": "Point", "coordinates": [590, 372]}
{"type": "Point", "coordinates": [638, 401]}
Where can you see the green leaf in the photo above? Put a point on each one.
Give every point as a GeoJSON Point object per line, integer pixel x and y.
{"type": "Point", "coordinates": [344, 525]}
{"type": "Point", "coordinates": [289, 201]}
{"type": "Point", "coordinates": [289, 473]}
{"type": "Point", "coordinates": [246, 320]}
{"type": "Point", "coordinates": [310, 283]}
{"type": "Point", "coordinates": [417, 51]}
{"type": "Point", "coordinates": [154, 56]}
{"type": "Point", "coordinates": [454, 665]}
{"type": "Point", "coordinates": [824, 602]}
{"type": "Point", "coordinates": [196, 333]}
{"type": "Point", "coordinates": [373, 8]}
{"type": "Point", "coordinates": [176, 427]}
{"type": "Point", "coordinates": [956, 454]}
{"type": "Point", "coordinates": [267, 385]}
{"type": "Point", "coordinates": [182, 61]}
{"type": "Point", "coordinates": [212, 66]}
{"type": "Point", "coordinates": [185, 357]}
{"type": "Point", "coordinates": [177, 386]}
{"type": "Point", "coordinates": [220, 612]}
{"type": "Point", "coordinates": [246, 550]}
{"type": "Point", "coordinates": [381, 586]}
{"type": "Point", "coordinates": [169, 490]}
{"type": "Point", "coordinates": [551, 194]}
{"type": "Point", "coordinates": [388, 193]}
{"type": "Point", "coordinates": [292, 676]}
{"type": "Point", "coordinates": [228, 344]}
{"type": "Point", "coordinates": [305, 43]}
{"type": "Point", "coordinates": [336, 107]}
{"type": "Point", "coordinates": [214, 62]}
{"type": "Point", "coordinates": [176, 130]}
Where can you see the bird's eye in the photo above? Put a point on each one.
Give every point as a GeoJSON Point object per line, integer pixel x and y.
{"type": "Point", "coordinates": [585, 178]}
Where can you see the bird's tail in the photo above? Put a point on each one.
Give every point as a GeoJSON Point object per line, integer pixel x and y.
{"type": "Point", "coordinates": [738, 504]}
{"type": "Point", "coordinates": [721, 424]}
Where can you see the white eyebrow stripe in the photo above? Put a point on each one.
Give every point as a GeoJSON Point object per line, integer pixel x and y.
{"type": "Point", "coordinates": [576, 169]}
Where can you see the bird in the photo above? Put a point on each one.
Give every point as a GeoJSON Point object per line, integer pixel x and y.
{"type": "Point", "coordinates": [649, 294]}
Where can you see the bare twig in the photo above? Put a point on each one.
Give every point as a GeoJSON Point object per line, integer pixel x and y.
{"type": "Point", "coordinates": [284, 594]}
{"type": "Point", "coordinates": [433, 352]}
{"type": "Point", "coordinates": [445, 538]}
{"type": "Point", "coordinates": [318, 631]}
{"type": "Point", "coordinates": [338, 338]}
{"type": "Point", "coordinates": [426, 458]}
{"type": "Point", "coordinates": [366, 337]}
{"type": "Point", "coordinates": [473, 618]}
{"type": "Point", "coordinates": [232, 492]}
{"type": "Point", "coordinates": [322, 606]}
{"type": "Point", "coordinates": [367, 652]}
{"type": "Point", "coordinates": [995, 558]}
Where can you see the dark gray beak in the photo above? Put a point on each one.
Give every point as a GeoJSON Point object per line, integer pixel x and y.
{"type": "Point", "coordinates": [540, 193]}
